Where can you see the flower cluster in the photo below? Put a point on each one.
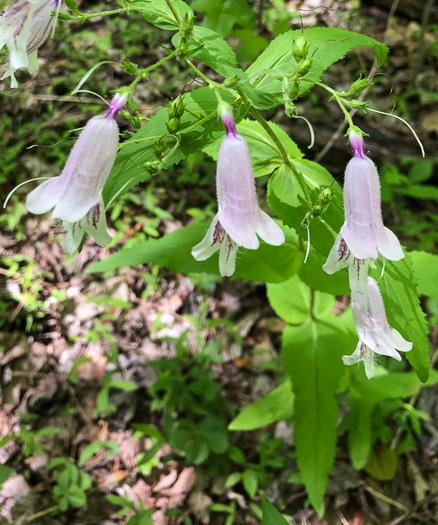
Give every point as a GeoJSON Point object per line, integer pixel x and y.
{"type": "Point", "coordinates": [239, 219]}
{"type": "Point", "coordinates": [24, 27]}
{"type": "Point", "coordinates": [362, 237]}
{"type": "Point", "coordinates": [76, 194]}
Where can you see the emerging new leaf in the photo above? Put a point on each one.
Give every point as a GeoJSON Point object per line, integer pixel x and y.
{"type": "Point", "coordinates": [239, 220]}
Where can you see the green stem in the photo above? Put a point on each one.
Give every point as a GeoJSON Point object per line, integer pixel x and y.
{"type": "Point", "coordinates": [256, 114]}
{"type": "Point", "coordinates": [85, 16]}
{"type": "Point", "coordinates": [141, 74]}
{"type": "Point", "coordinates": [175, 14]}
{"type": "Point", "coordinates": [336, 96]}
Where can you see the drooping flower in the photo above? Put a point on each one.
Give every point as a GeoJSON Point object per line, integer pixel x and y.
{"type": "Point", "coordinates": [79, 187]}
{"type": "Point", "coordinates": [376, 336]}
{"type": "Point", "coordinates": [239, 219]}
{"type": "Point", "coordinates": [24, 27]}
{"type": "Point", "coordinates": [363, 235]}
{"type": "Point", "coordinates": [93, 224]}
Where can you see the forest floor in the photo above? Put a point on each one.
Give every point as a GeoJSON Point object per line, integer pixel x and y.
{"type": "Point", "coordinates": [83, 353]}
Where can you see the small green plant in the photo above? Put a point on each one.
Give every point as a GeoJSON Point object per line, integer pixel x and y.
{"type": "Point", "coordinates": [70, 484]}
{"type": "Point", "coordinates": [141, 516]}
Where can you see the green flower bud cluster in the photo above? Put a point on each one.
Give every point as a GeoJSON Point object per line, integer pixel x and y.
{"type": "Point", "coordinates": [135, 116]}
{"type": "Point", "coordinates": [175, 110]}
{"type": "Point", "coordinates": [300, 50]}
{"type": "Point", "coordinates": [153, 167]}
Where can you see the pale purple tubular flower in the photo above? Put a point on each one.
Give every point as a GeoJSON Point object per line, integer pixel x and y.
{"type": "Point", "coordinates": [376, 336]}
{"type": "Point", "coordinates": [239, 219]}
{"type": "Point", "coordinates": [79, 187]}
{"type": "Point", "coordinates": [363, 235]}
{"type": "Point", "coordinates": [24, 27]}
{"type": "Point", "coordinates": [93, 224]}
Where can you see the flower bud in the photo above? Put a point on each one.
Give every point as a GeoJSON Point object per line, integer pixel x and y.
{"type": "Point", "coordinates": [303, 66]}
{"type": "Point", "coordinates": [300, 48]}
{"type": "Point", "coordinates": [173, 125]}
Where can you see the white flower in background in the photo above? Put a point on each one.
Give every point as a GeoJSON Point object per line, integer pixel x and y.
{"type": "Point", "coordinates": [376, 336]}
{"type": "Point", "coordinates": [24, 27]}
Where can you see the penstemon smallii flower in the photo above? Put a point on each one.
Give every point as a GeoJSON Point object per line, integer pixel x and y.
{"type": "Point", "coordinates": [79, 187]}
{"type": "Point", "coordinates": [376, 336]}
{"type": "Point", "coordinates": [239, 219]}
{"type": "Point", "coordinates": [24, 27]}
{"type": "Point", "coordinates": [93, 224]}
{"type": "Point", "coordinates": [363, 235]}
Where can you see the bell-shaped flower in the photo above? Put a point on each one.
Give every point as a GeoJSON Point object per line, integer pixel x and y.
{"type": "Point", "coordinates": [239, 221]}
{"type": "Point", "coordinates": [376, 336]}
{"type": "Point", "coordinates": [363, 235]}
{"type": "Point", "coordinates": [72, 194]}
{"type": "Point", "coordinates": [93, 224]}
{"type": "Point", "coordinates": [24, 27]}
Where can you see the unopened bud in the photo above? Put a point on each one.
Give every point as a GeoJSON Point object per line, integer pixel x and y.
{"type": "Point", "coordinates": [173, 125]}
{"type": "Point", "coordinates": [303, 66]}
{"type": "Point", "coordinates": [290, 109]}
{"type": "Point", "coordinates": [300, 48]}
{"type": "Point", "coordinates": [358, 86]}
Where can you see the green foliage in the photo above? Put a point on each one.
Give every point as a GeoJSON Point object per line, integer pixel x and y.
{"type": "Point", "coordinates": [275, 406]}
{"type": "Point", "coordinates": [187, 385]}
{"type": "Point", "coordinates": [404, 313]}
{"type": "Point", "coordinates": [142, 516]}
{"type": "Point", "coordinates": [312, 356]}
{"type": "Point", "coordinates": [425, 267]}
{"type": "Point", "coordinates": [271, 516]}
{"type": "Point", "coordinates": [268, 263]}
{"type": "Point", "coordinates": [364, 395]}
{"type": "Point", "coordinates": [70, 484]}
{"type": "Point", "coordinates": [326, 46]}
{"type": "Point", "coordinates": [92, 448]}
{"type": "Point", "coordinates": [104, 406]}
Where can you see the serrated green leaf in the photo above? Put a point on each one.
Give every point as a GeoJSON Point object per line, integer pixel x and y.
{"type": "Point", "coordinates": [200, 112]}
{"type": "Point", "coordinates": [275, 406]}
{"type": "Point", "coordinates": [267, 264]}
{"type": "Point", "coordinates": [404, 313]}
{"type": "Point", "coordinates": [312, 356]}
{"type": "Point", "coordinates": [425, 267]}
{"type": "Point", "coordinates": [157, 12]}
{"type": "Point", "coordinates": [326, 46]}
